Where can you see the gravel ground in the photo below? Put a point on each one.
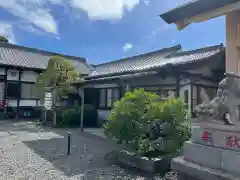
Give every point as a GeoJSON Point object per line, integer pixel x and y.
{"type": "Point", "coordinates": [28, 152]}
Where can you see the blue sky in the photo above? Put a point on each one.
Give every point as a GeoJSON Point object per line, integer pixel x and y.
{"type": "Point", "coordinates": [101, 30]}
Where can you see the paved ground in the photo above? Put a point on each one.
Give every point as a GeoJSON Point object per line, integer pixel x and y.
{"type": "Point", "coordinates": [30, 152]}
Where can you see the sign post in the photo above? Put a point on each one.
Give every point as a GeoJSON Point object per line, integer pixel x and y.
{"type": "Point", "coordinates": [47, 103]}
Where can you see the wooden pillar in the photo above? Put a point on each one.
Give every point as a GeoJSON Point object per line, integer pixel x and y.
{"type": "Point", "coordinates": [81, 93]}
{"type": "Point", "coordinates": [121, 91]}
{"type": "Point", "coordinates": [20, 91]}
{"type": "Point", "coordinates": [191, 95]}
{"type": "Point", "coordinates": [5, 90]}
{"type": "Point", "coordinates": [178, 79]}
{"type": "Point", "coordinates": [122, 88]}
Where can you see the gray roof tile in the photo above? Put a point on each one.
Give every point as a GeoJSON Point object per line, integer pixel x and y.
{"type": "Point", "coordinates": [154, 60]}
{"type": "Point", "coordinates": [134, 63]}
{"type": "Point", "coordinates": [20, 56]}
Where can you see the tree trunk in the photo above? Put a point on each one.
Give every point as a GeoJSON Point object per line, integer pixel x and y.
{"type": "Point", "coordinates": [54, 107]}
{"type": "Point", "coordinates": [54, 118]}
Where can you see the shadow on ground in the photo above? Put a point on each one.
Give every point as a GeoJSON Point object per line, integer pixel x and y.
{"type": "Point", "coordinates": [16, 126]}
{"type": "Point", "coordinates": [88, 156]}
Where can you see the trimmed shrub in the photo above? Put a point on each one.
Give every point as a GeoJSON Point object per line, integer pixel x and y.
{"type": "Point", "coordinates": [90, 115]}
{"type": "Point", "coordinates": [150, 125]}
{"type": "Point", "coordinates": [72, 117]}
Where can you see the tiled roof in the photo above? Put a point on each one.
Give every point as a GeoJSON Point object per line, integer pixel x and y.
{"type": "Point", "coordinates": [132, 64]}
{"type": "Point", "coordinates": [154, 60]}
{"type": "Point", "coordinates": [19, 56]}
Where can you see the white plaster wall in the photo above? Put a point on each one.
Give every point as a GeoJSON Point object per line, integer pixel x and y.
{"type": "Point", "coordinates": [29, 76]}
{"type": "Point", "coordinates": [10, 75]}
{"type": "Point", "coordinates": [32, 103]}
{"type": "Point", "coordinates": [12, 103]}
{"type": "Point", "coordinates": [2, 71]}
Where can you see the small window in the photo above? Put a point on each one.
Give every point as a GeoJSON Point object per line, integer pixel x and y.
{"type": "Point", "coordinates": [108, 97]}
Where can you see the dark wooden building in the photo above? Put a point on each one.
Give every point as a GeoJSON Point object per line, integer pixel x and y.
{"type": "Point", "coordinates": [192, 75]}
{"type": "Point", "coordinates": [19, 69]}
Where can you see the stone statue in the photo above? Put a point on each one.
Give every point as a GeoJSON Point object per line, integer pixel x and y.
{"type": "Point", "coordinates": [227, 101]}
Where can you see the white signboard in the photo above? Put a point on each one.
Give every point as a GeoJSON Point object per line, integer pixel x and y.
{"type": "Point", "coordinates": [48, 101]}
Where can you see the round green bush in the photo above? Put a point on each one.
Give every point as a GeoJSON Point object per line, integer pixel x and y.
{"type": "Point", "coordinates": [72, 117]}
{"type": "Point", "coordinates": [151, 126]}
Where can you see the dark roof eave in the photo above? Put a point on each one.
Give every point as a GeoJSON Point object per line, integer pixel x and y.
{"type": "Point", "coordinates": [123, 73]}
{"type": "Point", "coordinates": [194, 8]}
{"type": "Point", "coordinates": [168, 49]}
{"type": "Point", "coordinates": [221, 50]}
{"type": "Point", "coordinates": [181, 67]}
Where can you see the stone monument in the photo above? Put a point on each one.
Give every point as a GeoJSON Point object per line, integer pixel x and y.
{"type": "Point", "coordinates": [213, 153]}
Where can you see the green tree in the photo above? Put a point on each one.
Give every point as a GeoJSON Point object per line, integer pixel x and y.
{"type": "Point", "coordinates": [3, 39]}
{"type": "Point", "coordinates": [57, 79]}
{"type": "Point", "coordinates": [150, 125]}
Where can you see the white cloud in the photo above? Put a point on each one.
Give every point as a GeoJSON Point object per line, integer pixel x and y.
{"type": "Point", "coordinates": [35, 12]}
{"type": "Point", "coordinates": [146, 2]}
{"type": "Point", "coordinates": [30, 28]}
{"type": "Point", "coordinates": [6, 29]}
{"type": "Point", "coordinates": [127, 47]}
{"type": "Point", "coordinates": [159, 29]}
{"type": "Point", "coordinates": [104, 9]}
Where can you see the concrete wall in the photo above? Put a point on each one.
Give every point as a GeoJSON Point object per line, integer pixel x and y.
{"type": "Point", "coordinates": [232, 41]}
